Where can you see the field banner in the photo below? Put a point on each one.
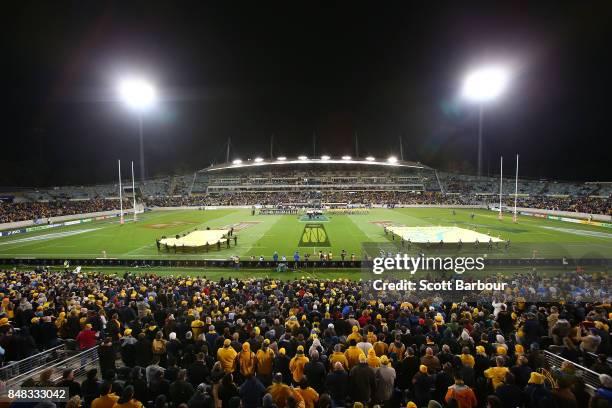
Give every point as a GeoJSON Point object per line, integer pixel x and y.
{"type": "Point", "coordinates": [48, 226]}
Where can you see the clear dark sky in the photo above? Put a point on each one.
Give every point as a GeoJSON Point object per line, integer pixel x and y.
{"type": "Point", "coordinates": [246, 70]}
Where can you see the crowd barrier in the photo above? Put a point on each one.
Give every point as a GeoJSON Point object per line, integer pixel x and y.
{"type": "Point", "coordinates": [590, 377]}
{"type": "Point", "coordinates": [570, 264]}
{"type": "Point", "coordinates": [78, 361]}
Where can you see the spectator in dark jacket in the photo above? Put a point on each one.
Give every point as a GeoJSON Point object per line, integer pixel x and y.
{"type": "Point", "coordinates": [180, 390]}
{"type": "Point", "coordinates": [197, 373]}
{"type": "Point", "coordinates": [315, 372]}
{"type": "Point", "coordinates": [106, 355]}
{"type": "Point", "coordinates": [337, 383]}
{"type": "Point", "coordinates": [251, 391]}
{"type": "Point", "coordinates": [362, 382]}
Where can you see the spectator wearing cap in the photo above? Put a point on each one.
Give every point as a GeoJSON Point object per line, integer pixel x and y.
{"type": "Point", "coordinates": [246, 360]}
{"type": "Point", "coordinates": [385, 380]}
{"type": "Point", "coordinates": [227, 356]}
{"type": "Point", "coordinates": [536, 393]}
{"type": "Point", "coordinates": [297, 363]}
{"type": "Point", "coordinates": [265, 362]}
{"type": "Point", "coordinates": [128, 348]}
{"type": "Point", "coordinates": [281, 365]}
{"type": "Point", "coordinates": [423, 384]}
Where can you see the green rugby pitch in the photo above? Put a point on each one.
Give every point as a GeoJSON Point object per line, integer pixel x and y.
{"type": "Point", "coordinates": [264, 234]}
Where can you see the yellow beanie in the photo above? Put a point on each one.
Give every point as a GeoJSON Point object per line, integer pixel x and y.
{"type": "Point", "coordinates": [423, 368]}
{"type": "Point", "coordinates": [536, 378]}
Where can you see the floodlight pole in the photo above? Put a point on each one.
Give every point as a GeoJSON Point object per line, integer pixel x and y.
{"type": "Point", "coordinates": [120, 196]}
{"type": "Point", "coordinates": [516, 189]}
{"type": "Point", "coordinates": [501, 183]}
{"type": "Point", "coordinates": [142, 160]}
{"type": "Point", "coordinates": [133, 191]}
{"type": "Point", "coordinates": [480, 114]}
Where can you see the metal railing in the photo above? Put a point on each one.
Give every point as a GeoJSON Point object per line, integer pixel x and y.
{"type": "Point", "coordinates": [16, 368]}
{"type": "Point", "coordinates": [79, 363]}
{"type": "Point", "coordinates": [590, 377]}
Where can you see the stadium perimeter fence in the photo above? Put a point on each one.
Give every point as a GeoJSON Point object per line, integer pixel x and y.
{"type": "Point", "coordinates": [254, 264]}
{"type": "Point", "coordinates": [60, 358]}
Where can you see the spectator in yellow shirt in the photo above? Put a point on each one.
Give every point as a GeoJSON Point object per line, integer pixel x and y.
{"type": "Point", "coordinates": [338, 357]}
{"type": "Point", "coordinates": [310, 396]}
{"type": "Point", "coordinates": [107, 398]}
{"type": "Point", "coordinates": [497, 374]}
{"type": "Point", "coordinates": [297, 363]}
{"type": "Point", "coordinates": [354, 335]}
{"type": "Point", "coordinates": [352, 354]}
{"type": "Point", "coordinates": [227, 356]}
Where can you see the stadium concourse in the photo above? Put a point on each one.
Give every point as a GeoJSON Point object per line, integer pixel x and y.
{"type": "Point", "coordinates": [190, 342]}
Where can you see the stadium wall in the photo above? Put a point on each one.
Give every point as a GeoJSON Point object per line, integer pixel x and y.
{"type": "Point", "coordinates": [60, 219]}
{"type": "Point", "coordinates": [570, 214]}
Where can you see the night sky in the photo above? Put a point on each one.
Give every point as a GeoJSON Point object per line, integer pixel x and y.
{"type": "Point", "coordinates": [247, 70]}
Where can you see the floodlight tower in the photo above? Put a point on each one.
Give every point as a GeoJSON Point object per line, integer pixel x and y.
{"type": "Point", "coordinates": [481, 86]}
{"type": "Point", "coordinates": [138, 95]}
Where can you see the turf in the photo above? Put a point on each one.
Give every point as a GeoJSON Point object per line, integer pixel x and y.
{"type": "Point", "coordinates": [283, 233]}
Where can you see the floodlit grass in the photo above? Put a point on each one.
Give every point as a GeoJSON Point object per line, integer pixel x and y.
{"type": "Point", "coordinates": [282, 233]}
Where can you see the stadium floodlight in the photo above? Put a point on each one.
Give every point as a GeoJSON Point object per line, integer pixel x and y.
{"type": "Point", "coordinates": [258, 160]}
{"type": "Point", "coordinates": [392, 159]}
{"type": "Point", "coordinates": [346, 157]}
{"type": "Point", "coordinates": [370, 158]}
{"type": "Point", "coordinates": [325, 157]}
{"type": "Point", "coordinates": [302, 158]}
{"type": "Point", "coordinates": [485, 84]}
{"type": "Point", "coordinates": [139, 95]}
{"type": "Point", "coordinates": [281, 158]}
{"type": "Point", "coordinates": [237, 161]}
{"type": "Point", "coordinates": [481, 86]}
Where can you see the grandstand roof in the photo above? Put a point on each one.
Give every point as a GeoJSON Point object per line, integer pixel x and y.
{"type": "Point", "coordinates": [236, 164]}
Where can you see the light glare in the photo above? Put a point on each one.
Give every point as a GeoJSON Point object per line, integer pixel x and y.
{"type": "Point", "coordinates": [237, 161]}
{"type": "Point", "coordinates": [392, 159]}
{"type": "Point", "coordinates": [281, 158]}
{"type": "Point", "coordinates": [325, 157]}
{"type": "Point", "coordinates": [137, 94]}
{"type": "Point", "coordinates": [485, 84]}
{"type": "Point", "coordinates": [302, 157]}
{"type": "Point", "coordinates": [346, 157]}
{"type": "Point", "coordinates": [258, 160]}
{"type": "Point", "coordinates": [370, 158]}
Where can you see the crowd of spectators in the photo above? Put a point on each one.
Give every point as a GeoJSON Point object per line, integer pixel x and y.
{"type": "Point", "coordinates": [42, 210]}
{"type": "Point", "coordinates": [589, 205]}
{"type": "Point", "coordinates": [11, 212]}
{"type": "Point", "coordinates": [190, 342]}
{"type": "Point", "coordinates": [306, 197]}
